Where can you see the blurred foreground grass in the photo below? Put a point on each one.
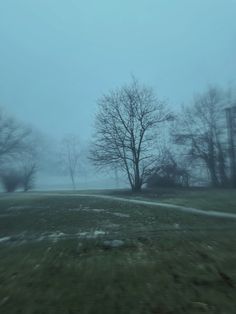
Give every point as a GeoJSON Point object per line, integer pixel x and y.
{"type": "Point", "coordinates": [171, 262]}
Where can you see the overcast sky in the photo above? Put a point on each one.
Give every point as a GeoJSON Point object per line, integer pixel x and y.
{"type": "Point", "coordinates": [57, 57]}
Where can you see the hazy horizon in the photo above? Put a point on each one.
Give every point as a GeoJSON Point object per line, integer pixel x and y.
{"type": "Point", "coordinates": [59, 57]}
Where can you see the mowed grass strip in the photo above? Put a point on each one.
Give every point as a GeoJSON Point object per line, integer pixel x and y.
{"type": "Point", "coordinates": [171, 262]}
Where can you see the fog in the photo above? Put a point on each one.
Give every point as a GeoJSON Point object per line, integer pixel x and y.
{"type": "Point", "coordinates": [58, 57]}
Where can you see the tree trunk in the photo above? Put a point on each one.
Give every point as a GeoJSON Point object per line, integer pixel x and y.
{"type": "Point", "coordinates": [221, 167]}
{"type": "Point", "coordinates": [136, 188]}
{"type": "Point", "coordinates": [137, 180]}
{"type": "Point", "coordinates": [213, 175]}
{"type": "Point", "coordinates": [211, 161]}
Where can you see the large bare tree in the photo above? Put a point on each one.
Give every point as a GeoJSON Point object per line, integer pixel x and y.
{"type": "Point", "coordinates": [201, 130]}
{"type": "Point", "coordinates": [126, 131]}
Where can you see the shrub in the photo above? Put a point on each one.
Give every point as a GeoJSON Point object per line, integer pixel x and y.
{"type": "Point", "coordinates": [11, 180]}
{"type": "Point", "coordinates": [168, 176]}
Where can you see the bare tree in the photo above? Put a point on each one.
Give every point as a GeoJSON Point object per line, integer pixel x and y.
{"type": "Point", "coordinates": [126, 131]}
{"type": "Point", "coordinates": [70, 157]}
{"type": "Point", "coordinates": [201, 130]}
{"type": "Point", "coordinates": [231, 127]}
{"type": "Point", "coordinates": [28, 173]}
{"type": "Point", "coordinates": [12, 137]}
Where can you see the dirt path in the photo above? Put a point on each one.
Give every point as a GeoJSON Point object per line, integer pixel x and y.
{"type": "Point", "coordinates": [212, 213]}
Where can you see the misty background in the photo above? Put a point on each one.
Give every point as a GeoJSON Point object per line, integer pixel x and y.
{"type": "Point", "coordinates": [58, 57]}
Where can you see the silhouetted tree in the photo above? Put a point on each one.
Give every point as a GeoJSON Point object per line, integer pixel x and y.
{"type": "Point", "coordinates": [126, 131]}
{"type": "Point", "coordinates": [70, 157]}
{"type": "Point", "coordinates": [27, 177]}
{"type": "Point", "coordinates": [201, 129]}
{"type": "Point", "coordinates": [13, 137]}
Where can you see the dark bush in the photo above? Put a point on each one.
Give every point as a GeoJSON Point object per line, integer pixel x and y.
{"type": "Point", "coordinates": [11, 180]}
{"type": "Point", "coordinates": [168, 176]}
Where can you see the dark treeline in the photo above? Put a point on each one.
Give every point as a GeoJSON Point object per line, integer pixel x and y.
{"type": "Point", "coordinates": [140, 137]}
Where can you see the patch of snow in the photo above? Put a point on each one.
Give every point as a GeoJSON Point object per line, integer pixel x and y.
{"type": "Point", "coordinates": [98, 210]}
{"type": "Point", "coordinates": [55, 236]}
{"type": "Point", "coordinates": [121, 215]}
{"type": "Point", "coordinates": [92, 234]}
{"type": "Point", "coordinates": [4, 239]}
{"type": "Point", "coordinates": [99, 232]}
{"type": "Point", "coordinates": [83, 234]}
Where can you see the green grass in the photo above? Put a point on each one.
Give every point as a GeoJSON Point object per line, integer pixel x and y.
{"type": "Point", "coordinates": [171, 262]}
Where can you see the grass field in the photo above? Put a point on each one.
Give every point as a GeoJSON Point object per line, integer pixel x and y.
{"type": "Point", "coordinates": [57, 256]}
{"type": "Point", "coordinates": [209, 199]}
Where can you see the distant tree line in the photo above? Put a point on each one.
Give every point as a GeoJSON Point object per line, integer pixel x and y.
{"type": "Point", "coordinates": [136, 134]}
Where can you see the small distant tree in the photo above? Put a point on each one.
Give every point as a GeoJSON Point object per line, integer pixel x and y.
{"type": "Point", "coordinates": [126, 131]}
{"type": "Point", "coordinates": [13, 136]}
{"type": "Point", "coordinates": [20, 148]}
{"type": "Point", "coordinates": [70, 157]}
{"type": "Point", "coordinates": [27, 178]}
{"type": "Point", "coordinates": [21, 175]}
{"type": "Point", "coordinates": [11, 180]}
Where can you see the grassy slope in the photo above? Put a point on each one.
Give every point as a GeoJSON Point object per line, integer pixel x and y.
{"type": "Point", "coordinates": [157, 271]}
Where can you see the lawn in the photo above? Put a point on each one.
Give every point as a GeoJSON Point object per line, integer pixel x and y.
{"type": "Point", "coordinates": [57, 256]}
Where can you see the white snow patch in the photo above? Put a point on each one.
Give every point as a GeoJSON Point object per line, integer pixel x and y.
{"type": "Point", "coordinates": [92, 234]}
{"type": "Point", "coordinates": [121, 215]}
{"type": "Point", "coordinates": [83, 234]}
{"type": "Point", "coordinates": [55, 236]}
{"type": "Point", "coordinates": [4, 239]}
{"type": "Point", "coordinates": [99, 232]}
{"type": "Point", "coordinates": [98, 210]}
